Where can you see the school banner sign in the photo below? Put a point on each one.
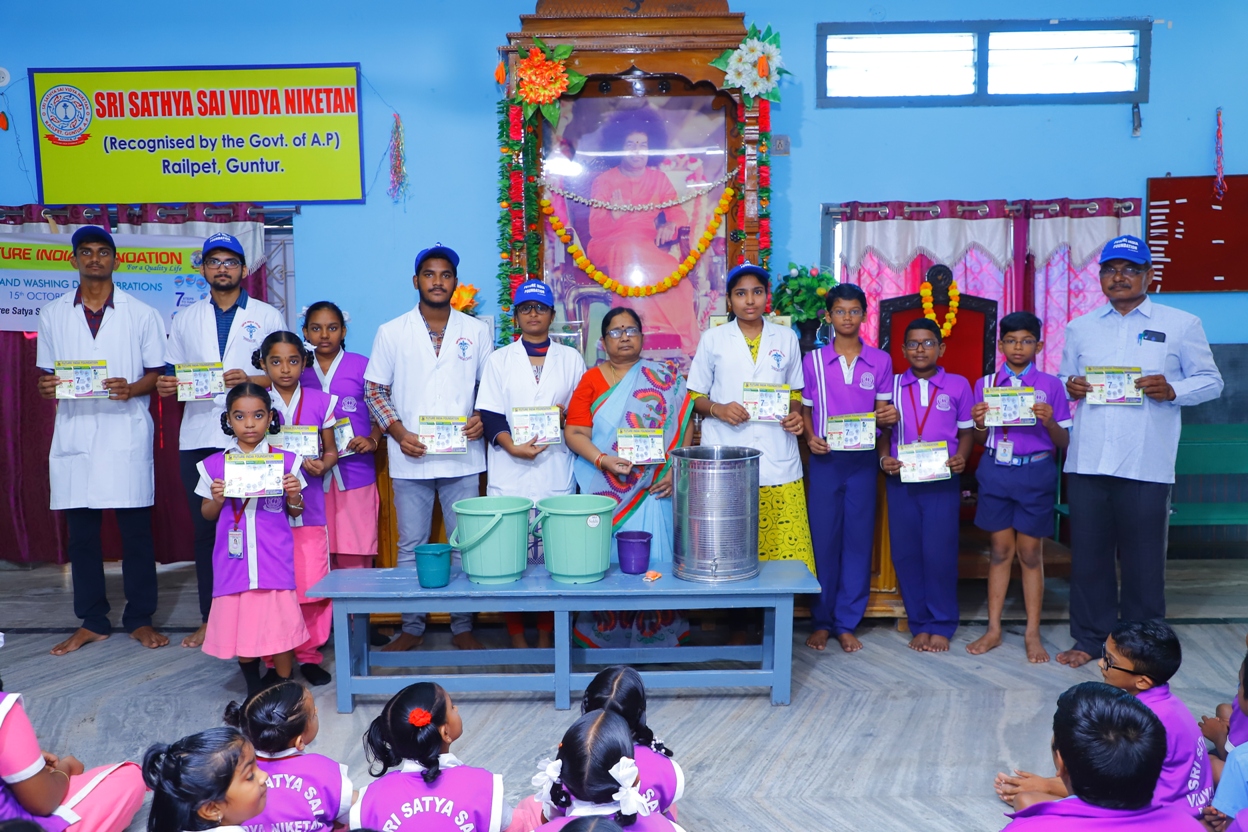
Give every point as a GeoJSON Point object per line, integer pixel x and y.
{"type": "Point", "coordinates": [160, 270]}
{"type": "Point", "coordinates": [198, 134]}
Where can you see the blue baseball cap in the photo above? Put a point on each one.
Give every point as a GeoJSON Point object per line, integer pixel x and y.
{"type": "Point", "coordinates": [533, 290]}
{"type": "Point", "coordinates": [225, 241]}
{"type": "Point", "coordinates": [92, 234]}
{"type": "Point", "coordinates": [1129, 248]}
{"type": "Point", "coordinates": [749, 268]}
{"type": "Point", "coordinates": [439, 250]}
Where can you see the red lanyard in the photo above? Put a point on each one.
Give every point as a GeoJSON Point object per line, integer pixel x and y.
{"type": "Point", "coordinates": [915, 409]}
{"type": "Point", "coordinates": [238, 512]}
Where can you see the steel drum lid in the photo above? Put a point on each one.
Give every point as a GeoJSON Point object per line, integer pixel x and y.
{"type": "Point", "coordinates": [716, 453]}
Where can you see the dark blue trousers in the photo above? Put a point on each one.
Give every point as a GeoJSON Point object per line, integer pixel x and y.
{"type": "Point", "coordinates": [138, 567]}
{"type": "Point", "coordinates": [841, 506]}
{"type": "Point", "coordinates": [923, 535]}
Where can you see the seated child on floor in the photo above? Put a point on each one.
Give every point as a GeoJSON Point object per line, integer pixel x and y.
{"type": "Point", "coordinates": [1108, 749]}
{"type": "Point", "coordinates": [205, 781]}
{"type": "Point", "coordinates": [1140, 657]}
{"type": "Point", "coordinates": [1228, 728]}
{"type": "Point", "coordinates": [307, 791]}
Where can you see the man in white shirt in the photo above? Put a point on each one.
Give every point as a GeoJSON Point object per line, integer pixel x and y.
{"type": "Point", "coordinates": [1120, 464]}
{"type": "Point", "coordinates": [427, 362]}
{"type": "Point", "coordinates": [101, 455]}
{"type": "Point", "coordinates": [225, 327]}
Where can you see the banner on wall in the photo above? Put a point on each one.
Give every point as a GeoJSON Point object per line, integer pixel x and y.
{"type": "Point", "coordinates": [162, 271]}
{"type": "Point", "coordinates": [198, 134]}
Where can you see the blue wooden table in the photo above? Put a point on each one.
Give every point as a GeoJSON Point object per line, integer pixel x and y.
{"type": "Point", "coordinates": [358, 592]}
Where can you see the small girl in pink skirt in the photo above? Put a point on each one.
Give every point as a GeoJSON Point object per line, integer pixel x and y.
{"type": "Point", "coordinates": [255, 611]}
{"type": "Point", "coordinates": [283, 358]}
{"type": "Point", "coordinates": [351, 500]}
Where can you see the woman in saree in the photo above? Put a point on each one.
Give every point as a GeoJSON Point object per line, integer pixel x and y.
{"type": "Point", "coordinates": [627, 391]}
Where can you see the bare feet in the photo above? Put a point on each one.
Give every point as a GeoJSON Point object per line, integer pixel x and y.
{"type": "Point", "coordinates": [196, 639]}
{"type": "Point", "coordinates": [81, 636]}
{"type": "Point", "coordinates": [519, 642]}
{"type": "Point", "coordinates": [984, 643]}
{"type": "Point", "coordinates": [404, 641]}
{"type": "Point", "coordinates": [938, 644]}
{"type": "Point", "coordinates": [920, 642]}
{"type": "Point", "coordinates": [148, 637]}
{"type": "Point", "coordinates": [1036, 654]}
{"type": "Point", "coordinates": [467, 641]}
{"type": "Point", "coordinates": [545, 639]}
{"type": "Point", "coordinates": [818, 640]}
{"type": "Point", "coordinates": [849, 642]}
{"type": "Point", "coordinates": [1073, 658]}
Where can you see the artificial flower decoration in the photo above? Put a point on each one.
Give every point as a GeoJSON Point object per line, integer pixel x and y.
{"type": "Point", "coordinates": [929, 311]}
{"type": "Point", "coordinates": [755, 66]}
{"type": "Point", "coordinates": [800, 294]}
{"type": "Point", "coordinates": [542, 76]}
{"type": "Point", "coordinates": [464, 299]}
{"type": "Point", "coordinates": [419, 718]}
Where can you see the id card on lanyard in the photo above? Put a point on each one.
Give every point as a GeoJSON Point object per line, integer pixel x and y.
{"type": "Point", "coordinates": [1003, 448]}
{"type": "Point", "coordinates": [235, 548]}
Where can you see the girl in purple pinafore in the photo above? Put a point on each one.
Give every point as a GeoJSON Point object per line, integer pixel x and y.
{"type": "Point", "coordinates": [255, 611]}
{"type": "Point", "coordinates": [307, 791]}
{"type": "Point", "coordinates": [413, 735]}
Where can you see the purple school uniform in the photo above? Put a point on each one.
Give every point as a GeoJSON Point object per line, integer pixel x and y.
{"type": "Point", "coordinates": [10, 808]}
{"type": "Point", "coordinates": [307, 793]}
{"type": "Point", "coordinates": [267, 560]}
{"type": "Point", "coordinates": [923, 516]}
{"type": "Point", "coordinates": [842, 483]}
{"type": "Point", "coordinates": [313, 408]}
{"type": "Point", "coordinates": [1074, 815]}
{"type": "Point", "coordinates": [1238, 734]}
{"type": "Point", "coordinates": [462, 799]}
{"type": "Point", "coordinates": [1185, 781]}
{"type": "Point", "coordinates": [662, 781]}
{"type": "Point", "coordinates": [654, 822]}
{"type": "Point", "coordinates": [345, 380]}
{"type": "Point", "coordinates": [1021, 495]}
{"type": "Point", "coordinates": [1240, 823]}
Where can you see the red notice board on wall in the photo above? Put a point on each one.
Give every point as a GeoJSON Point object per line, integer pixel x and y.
{"type": "Point", "coordinates": [1198, 242]}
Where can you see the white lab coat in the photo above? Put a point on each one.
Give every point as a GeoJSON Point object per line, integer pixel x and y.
{"type": "Point", "coordinates": [508, 382]}
{"type": "Point", "coordinates": [102, 449]}
{"type": "Point", "coordinates": [720, 369]}
{"type": "Point", "coordinates": [424, 384]}
{"type": "Point", "coordinates": [193, 340]}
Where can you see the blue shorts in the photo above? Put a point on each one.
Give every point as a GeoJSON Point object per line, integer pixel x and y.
{"type": "Point", "coordinates": [1019, 497]}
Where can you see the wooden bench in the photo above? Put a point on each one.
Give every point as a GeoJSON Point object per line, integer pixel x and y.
{"type": "Point", "coordinates": [358, 592]}
{"type": "Point", "coordinates": [1206, 449]}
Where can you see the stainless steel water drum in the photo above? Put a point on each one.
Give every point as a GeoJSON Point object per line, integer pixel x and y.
{"type": "Point", "coordinates": [715, 503]}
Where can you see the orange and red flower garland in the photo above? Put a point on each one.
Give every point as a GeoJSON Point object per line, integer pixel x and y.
{"type": "Point", "coordinates": [929, 311]}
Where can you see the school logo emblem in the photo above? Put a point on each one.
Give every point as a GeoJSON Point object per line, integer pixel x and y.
{"type": "Point", "coordinates": [66, 112]}
{"type": "Point", "coordinates": [349, 404]}
{"type": "Point", "coordinates": [464, 345]}
{"type": "Point", "coordinates": [250, 328]}
{"type": "Point", "coordinates": [1042, 397]}
{"type": "Point", "coordinates": [273, 504]}
{"type": "Point", "coordinates": [867, 382]}
{"type": "Point", "coordinates": [943, 402]}
{"type": "Point", "coordinates": [777, 358]}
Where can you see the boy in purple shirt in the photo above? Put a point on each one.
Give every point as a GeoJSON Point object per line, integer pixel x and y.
{"type": "Point", "coordinates": [1109, 750]}
{"type": "Point", "coordinates": [932, 407]}
{"type": "Point", "coordinates": [1018, 479]}
{"type": "Point", "coordinates": [845, 378]}
{"type": "Point", "coordinates": [1140, 657]}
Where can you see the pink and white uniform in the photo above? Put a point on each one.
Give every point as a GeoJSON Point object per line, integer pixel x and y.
{"type": "Point", "coordinates": [1186, 781]}
{"type": "Point", "coordinates": [462, 799]}
{"type": "Point", "coordinates": [307, 793]}
{"type": "Point", "coordinates": [103, 799]}
{"type": "Point", "coordinates": [662, 781]}
{"type": "Point", "coordinates": [1073, 815]}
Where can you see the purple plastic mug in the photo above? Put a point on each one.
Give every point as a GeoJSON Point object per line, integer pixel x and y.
{"type": "Point", "coordinates": [634, 548]}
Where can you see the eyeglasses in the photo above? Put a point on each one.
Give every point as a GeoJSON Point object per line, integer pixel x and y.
{"type": "Point", "coordinates": [530, 308]}
{"type": "Point", "coordinates": [1125, 271]}
{"type": "Point", "coordinates": [214, 263]}
{"type": "Point", "coordinates": [1109, 665]}
{"type": "Point", "coordinates": [926, 343]}
{"type": "Point", "coordinates": [630, 331]}
{"type": "Point", "coordinates": [846, 313]}
{"type": "Point", "coordinates": [1026, 342]}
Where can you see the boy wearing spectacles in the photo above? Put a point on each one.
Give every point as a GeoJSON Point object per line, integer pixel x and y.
{"type": "Point", "coordinates": [1140, 657]}
{"type": "Point", "coordinates": [1018, 476]}
{"type": "Point", "coordinates": [924, 490]}
{"type": "Point", "coordinates": [845, 378]}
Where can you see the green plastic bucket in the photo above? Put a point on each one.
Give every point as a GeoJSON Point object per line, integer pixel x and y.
{"type": "Point", "coordinates": [576, 530]}
{"type": "Point", "coordinates": [492, 536]}
{"type": "Point", "coordinates": [433, 565]}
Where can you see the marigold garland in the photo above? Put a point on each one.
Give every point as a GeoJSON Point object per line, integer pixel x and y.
{"type": "Point", "coordinates": [929, 311]}
{"type": "Point", "coordinates": [607, 282]}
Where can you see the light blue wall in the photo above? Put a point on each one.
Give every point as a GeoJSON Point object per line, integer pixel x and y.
{"type": "Point", "coordinates": [433, 60]}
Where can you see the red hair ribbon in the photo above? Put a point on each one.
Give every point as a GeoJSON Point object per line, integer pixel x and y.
{"type": "Point", "coordinates": [419, 717]}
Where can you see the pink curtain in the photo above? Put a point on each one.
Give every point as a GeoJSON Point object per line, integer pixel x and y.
{"type": "Point", "coordinates": [1064, 240]}
{"type": "Point", "coordinates": [31, 531]}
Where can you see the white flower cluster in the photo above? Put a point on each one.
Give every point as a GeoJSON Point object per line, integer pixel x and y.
{"type": "Point", "coordinates": [743, 68]}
